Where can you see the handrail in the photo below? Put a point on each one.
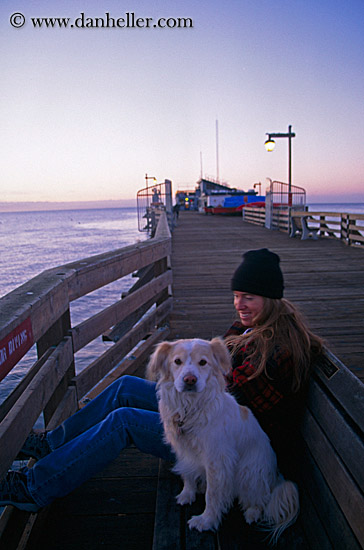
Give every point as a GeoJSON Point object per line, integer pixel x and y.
{"type": "Point", "coordinates": [347, 227]}
{"type": "Point", "coordinates": [151, 202]}
{"type": "Point", "coordinates": [39, 312]}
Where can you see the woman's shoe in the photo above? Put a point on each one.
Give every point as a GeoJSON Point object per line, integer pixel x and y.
{"type": "Point", "coordinates": [35, 446]}
{"type": "Point", "coordinates": [14, 492]}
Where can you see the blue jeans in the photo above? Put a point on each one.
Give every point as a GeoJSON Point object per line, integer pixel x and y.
{"type": "Point", "coordinates": [124, 413]}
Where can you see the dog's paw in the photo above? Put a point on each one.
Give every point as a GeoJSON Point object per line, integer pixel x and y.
{"type": "Point", "coordinates": [252, 514]}
{"type": "Point", "coordinates": [186, 497]}
{"type": "Point", "coordinates": [201, 523]}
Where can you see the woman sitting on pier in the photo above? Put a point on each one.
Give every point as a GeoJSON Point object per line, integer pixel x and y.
{"type": "Point", "coordinates": [272, 349]}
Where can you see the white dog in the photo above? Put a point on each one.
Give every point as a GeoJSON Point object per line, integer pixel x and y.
{"type": "Point", "coordinates": [219, 444]}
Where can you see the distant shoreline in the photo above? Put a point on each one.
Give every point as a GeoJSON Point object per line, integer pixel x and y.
{"type": "Point", "coordinates": [43, 206]}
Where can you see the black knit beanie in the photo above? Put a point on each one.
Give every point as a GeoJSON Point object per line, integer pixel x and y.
{"type": "Point", "coordinates": [260, 274]}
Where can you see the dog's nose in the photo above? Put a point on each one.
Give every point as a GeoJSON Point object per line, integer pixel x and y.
{"type": "Point", "coordinates": [190, 379]}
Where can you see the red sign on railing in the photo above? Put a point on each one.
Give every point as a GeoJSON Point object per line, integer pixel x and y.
{"type": "Point", "coordinates": [14, 346]}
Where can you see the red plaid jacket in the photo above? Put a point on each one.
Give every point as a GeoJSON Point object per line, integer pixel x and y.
{"type": "Point", "coordinates": [277, 408]}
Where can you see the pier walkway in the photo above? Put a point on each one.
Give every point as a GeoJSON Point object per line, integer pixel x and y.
{"type": "Point", "coordinates": [324, 278]}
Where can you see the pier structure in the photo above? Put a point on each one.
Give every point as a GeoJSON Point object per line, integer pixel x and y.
{"type": "Point", "coordinates": [324, 277]}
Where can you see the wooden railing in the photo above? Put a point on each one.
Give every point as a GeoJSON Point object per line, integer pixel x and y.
{"type": "Point", "coordinates": [352, 228]}
{"type": "Point", "coordinates": [280, 217]}
{"type": "Point", "coordinates": [344, 226]}
{"type": "Point", "coordinates": [347, 227]}
{"type": "Point", "coordinates": [38, 312]}
{"type": "Point", "coordinates": [254, 215]}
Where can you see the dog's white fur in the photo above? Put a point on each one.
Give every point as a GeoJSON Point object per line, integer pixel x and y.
{"type": "Point", "coordinates": [219, 444]}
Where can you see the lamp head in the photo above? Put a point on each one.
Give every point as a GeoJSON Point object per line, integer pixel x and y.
{"type": "Point", "coordinates": [269, 144]}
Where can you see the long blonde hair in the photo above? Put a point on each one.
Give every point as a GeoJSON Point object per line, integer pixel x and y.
{"type": "Point", "coordinates": [279, 325]}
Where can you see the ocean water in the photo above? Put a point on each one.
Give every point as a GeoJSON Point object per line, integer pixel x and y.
{"type": "Point", "coordinates": [31, 242]}
{"type": "Point", "coordinates": [345, 208]}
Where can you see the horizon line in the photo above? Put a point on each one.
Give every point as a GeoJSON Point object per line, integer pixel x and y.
{"type": "Point", "coordinates": [35, 206]}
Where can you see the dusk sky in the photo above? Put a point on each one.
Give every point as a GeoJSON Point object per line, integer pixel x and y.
{"type": "Point", "coordinates": [87, 112]}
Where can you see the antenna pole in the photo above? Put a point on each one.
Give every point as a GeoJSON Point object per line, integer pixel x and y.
{"type": "Point", "coordinates": [217, 151]}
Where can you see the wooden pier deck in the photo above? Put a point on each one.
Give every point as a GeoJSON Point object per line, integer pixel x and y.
{"type": "Point", "coordinates": [325, 278]}
{"type": "Point", "coordinates": [115, 510]}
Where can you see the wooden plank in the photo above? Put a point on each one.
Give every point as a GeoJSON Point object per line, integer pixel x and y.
{"type": "Point", "coordinates": [347, 494]}
{"type": "Point", "coordinates": [90, 329]}
{"type": "Point", "coordinates": [117, 331]}
{"type": "Point", "coordinates": [333, 421]}
{"type": "Point", "coordinates": [16, 529]}
{"type": "Point", "coordinates": [168, 519]}
{"type": "Point", "coordinates": [354, 235]}
{"type": "Point", "coordinates": [170, 529]}
{"type": "Point", "coordinates": [5, 518]}
{"type": "Point", "coordinates": [92, 273]}
{"type": "Point", "coordinates": [102, 497]}
{"type": "Point", "coordinates": [145, 275]}
{"type": "Point", "coordinates": [131, 363]}
{"type": "Point", "coordinates": [19, 421]}
{"type": "Point", "coordinates": [17, 392]}
{"type": "Point", "coordinates": [52, 337]}
{"type": "Point", "coordinates": [67, 407]}
{"type": "Point", "coordinates": [334, 527]}
{"type": "Point", "coordinates": [131, 463]}
{"type": "Point", "coordinates": [91, 375]}
{"type": "Point", "coordinates": [195, 540]}
{"type": "Point", "coordinates": [24, 539]}
{"type": "Point", "coordinates": [316, 536]}
{"type": "Point", "coordinates": [346, 388]}
{"type": "Point", "coordinates": [111, 531]}
{"type": "Point", "coordinates": [44, 299]}
{"type": "Point", "coordinates": [114, 509]}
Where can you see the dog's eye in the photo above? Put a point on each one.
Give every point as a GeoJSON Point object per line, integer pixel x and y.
{"type": "Point", "coordinates": [202, 362]}
{"type": "Point", "coordinates": [178, 361]}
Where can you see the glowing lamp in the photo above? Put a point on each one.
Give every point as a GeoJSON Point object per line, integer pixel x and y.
{"type": "Point", "coordinates": [270, 144]}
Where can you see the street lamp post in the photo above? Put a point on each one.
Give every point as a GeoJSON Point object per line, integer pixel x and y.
{"type": "Point", "coordinates": [270, 144]}
{"type": "Point", "coordinates": [150, 178]}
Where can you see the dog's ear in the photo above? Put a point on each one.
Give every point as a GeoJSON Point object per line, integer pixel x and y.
{"type": "Point", "coordinates": [221, 354]}
{"type": "Point", "coordinates": [157, 366]}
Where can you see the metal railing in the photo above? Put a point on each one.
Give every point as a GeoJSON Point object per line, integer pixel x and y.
{"type": "Point", "coordinates": [151, 202]}
{"type": "Point", "coordinates": [280, 199]}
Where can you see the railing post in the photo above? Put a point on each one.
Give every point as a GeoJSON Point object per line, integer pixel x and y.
{"type": "Point", "coordinates": [344, 228]}
{"type": "Point", "coordinates": [162, 265]}
{"type": "Point", "coordinates": [54, 335]}
{"type": "Point", "coordinates": [269, 206]}
{"type": "Point", "coordinates": [322, 225]}
{"type": "Point", "coordinates": [351, 232]}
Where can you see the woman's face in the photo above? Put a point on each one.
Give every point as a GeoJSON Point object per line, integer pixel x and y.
{"type": "Point", "coordinates": [248, 307]}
